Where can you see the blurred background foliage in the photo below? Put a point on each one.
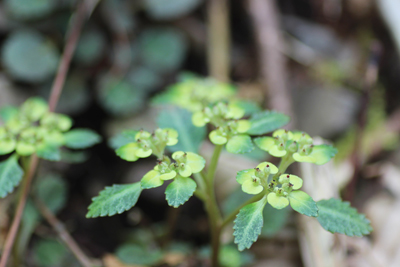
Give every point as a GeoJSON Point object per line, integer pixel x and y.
{"type": "Point", "coordinates": [130, 51]}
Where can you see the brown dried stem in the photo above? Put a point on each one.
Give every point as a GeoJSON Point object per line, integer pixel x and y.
{"type": "Point", "coordinates": [371, 76]}
{"type": "Point", "coordinates": [64, 235]}
{"type": "Point", "coordinates": [84, 10]}
{"type": "Point", "coordinates": [218, 39]}
{"type": "Point", "coordinates": [272, 61]}
{"type": "Point", "coordinates": [20, 209]}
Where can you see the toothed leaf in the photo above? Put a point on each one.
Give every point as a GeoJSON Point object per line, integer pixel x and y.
{"type": "Point", "coordinates": [179, 191]}
{"type": "Point", "coordinates": [248, 224]}
{"type": "Point", "coordinates": [10, 175]}
{"type": "Point", "coordinates": [303, 203]}
{"type": "Point", "coordinates": [115, 199]}
{"type": "Point", "coordinates": [338, 216]}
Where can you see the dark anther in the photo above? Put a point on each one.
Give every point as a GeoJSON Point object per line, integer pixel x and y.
{"type": "Point", "coordinates": [290, 184]}
{"type": "Point", "coordinates": [138, 140]}
{"type": "Point", "coordinates": [304, 150]}
{"type": "Point", "coordinates": [257, 169]}
{"type": "Point", "coordinates": [267, 165]}
{"type": "Point", "coordinates": [185, 154]}
{"type": "Point", "coordinates": [288, 176]}
{"type": "Point", "coordinates": [281, 144]}
{"type": "Point", "coordinates": [254, 180]}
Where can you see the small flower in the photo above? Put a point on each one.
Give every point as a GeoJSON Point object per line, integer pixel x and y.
{"type": "Point", "coordinates": [221, 135]}
{"type": "Point", "coordinates": [275, 145]}
{"type": "Point", "coordinates": [254, 180]}
{"type": "Point", "coordinates": [154, 179]}
{"type": "Point", "coordinates": [217, 114]}
{"type": "Point", "coordinates": [195, 93]}
{"type": "Point", "coordinates": [7, 142]}
{"type": "Point", "coordinates": [279, 198]}
{"type": "Point", "coordinates": [298, 144]}
{"type": "Point", "coordinates": [188, 163]}
{"type": "Point", "coordinates": [147, 144]}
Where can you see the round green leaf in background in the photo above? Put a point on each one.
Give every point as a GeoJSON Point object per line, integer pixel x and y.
{"type": "Point", "coordinates": [171, 9]}
{"type": "Point", "coordinates": [29, 57]}
{"type": "Point", "coordinates": [119, 97]}
{"type": "Point", "coordinates": [29, 9]}
{"type": "Point", "coordinates": [91, 47]}
{"type": "Point", "coordinates": [144, 78]}
{"type": "Point", "coordinates": [162, 49]}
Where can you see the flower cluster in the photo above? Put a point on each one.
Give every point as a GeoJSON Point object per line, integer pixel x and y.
{"type": "Point", "coordinates": [194, 93]}
{"type": "Point", "coordinates": [230, 129]}
{"type": "Point", "coordinates": [32, 128]}
{"type": "Point", "coordinates": [186, 163]}
{"type": "Point", "coordinates": [297, 145]}
{"type": "Point", "coordinates": [148, 143]}
{"type": "Point", "coordinates": [279, 189]}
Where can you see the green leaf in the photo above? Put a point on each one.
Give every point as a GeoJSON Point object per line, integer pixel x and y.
{"type": "Point", "coordinates": [136, 254]}
{"type": "Point", "coordinates": [320, 155]}
{"type": "Point", "coordinates": [267, 121]}
{"type": "Point", "coordinates": [179, 191]}
{"type": "Point", "coordinates": [10, 175]}
{"type": "Point", "coordinates": [81, 138]}
{"type": "Point", "coordinates": [114, 199]}
{"type": "Point", "coordinates": [48, 152]}
{"type": "Point", "coordinates": [230, 257]}
{"type": "Point", "coordinates": [240, 144]}
{"type": "Point", "coordinates": [162, 49]}
{"type": "Point", "coordinates": [303, 203]}
{"type": "Point", "coordinates": [151, 179]}
{"type": "Point", "coordinates": [145, 78]}
{"type": "Point", "coordinates": [248, 224]}
{"type": "Point", "coordinates": [172, 9]}
{"type": "Point", "coordinates": [29, 222]}
{"type": "Point", "coordinates": [249, 107]}
{"type": "Point", "coordinates": [48, 253]}
{"type": "Point", "coordinates": [337, 216]}
{"type": "Point", "coordinates": [119, 97]}
{"type": "Point", "coordinates": [91, 46]}
{"type": "Point", "coordinates": [52, 190]}
{"type": "Point", "coordinates": [123, 138]}
{"type": "Point", "coordinates": [8, 112]}
{"type": "Point", "coordinates": [276, 201]}
{"type": "Point", "coordinates": [28, 56]}
{"type": "Point", "coordinates": [29, 9]}
{"type": "Point", "coordinates": [190, 136]}
{"type": "Point", "coordinates": [73, 157]}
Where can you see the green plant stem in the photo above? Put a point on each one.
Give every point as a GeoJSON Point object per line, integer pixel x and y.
{"type": "Point", "coordinates": [200, 192]}
{"type": "Point", "coordinates": [214, 163]}
{"type": "Point", "coordinates": [284, 164]}
{"type": "Point", "coordinates": [211, 204]}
